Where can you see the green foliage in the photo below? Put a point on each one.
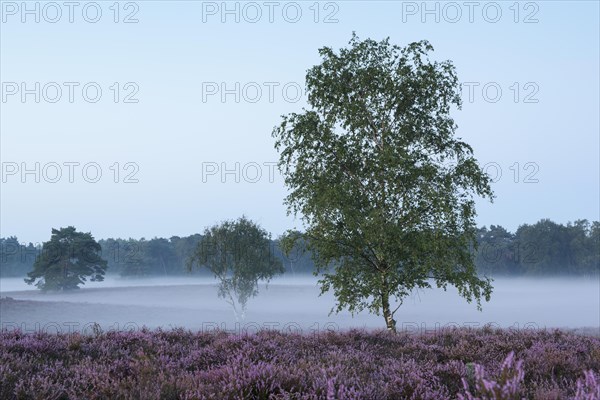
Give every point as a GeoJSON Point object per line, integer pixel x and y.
{"type": "Point", "coordinates": [16, 259]}
{"type": "Point", "coordinates": [545, 248]}
{"type": "Point", "coordinates": [67, 260]}
{"type": "Point", "coordinates": [292, 249]}
{"type": "Point", "coordinates": [384, 187]}
{"type": "Point", "coordinates": [238, 253]}
{"type": "Point", "coordinates": [557, 249]}
{"type": "Point", "coordinates": [141, 257]}
{"type": "Point", "coordinates": [499, 252]}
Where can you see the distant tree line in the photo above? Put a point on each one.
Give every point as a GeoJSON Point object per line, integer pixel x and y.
{"type": "Point", "coordinates": [16, 259]}
{"type": "Point", "coordinates": [543, 248]}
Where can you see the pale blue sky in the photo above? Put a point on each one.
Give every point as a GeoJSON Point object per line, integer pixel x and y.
{"type": "Point", "coordinates": [179, 50]}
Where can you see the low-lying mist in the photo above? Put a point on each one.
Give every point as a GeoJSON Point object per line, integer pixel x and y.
{"type": "Point", "coordinates": [290, 304]}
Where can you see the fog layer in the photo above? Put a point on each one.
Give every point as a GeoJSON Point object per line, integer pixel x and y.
{"type": "Point", "coordinates": [291, 304]}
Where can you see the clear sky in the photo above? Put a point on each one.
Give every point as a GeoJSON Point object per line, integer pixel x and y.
{"type": "Point", "coordinates": [129, 128]}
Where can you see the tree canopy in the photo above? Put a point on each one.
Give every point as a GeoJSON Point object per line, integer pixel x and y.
{"type": "Point", "coordinates": [384, 187]}
{"type": "Point", "coordinates": [67, 260]}
{"type": "Point", "coordinates": [239, 255]}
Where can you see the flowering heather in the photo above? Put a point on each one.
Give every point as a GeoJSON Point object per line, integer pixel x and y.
{"type": "Point", "coordinates": [178, 364]}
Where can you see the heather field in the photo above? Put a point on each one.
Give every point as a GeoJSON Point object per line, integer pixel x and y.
{"type": "Point", "coordinates": [356, 364]}
{"type": "Point", "coordinates": [93, 344]}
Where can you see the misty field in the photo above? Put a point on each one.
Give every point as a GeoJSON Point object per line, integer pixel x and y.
{"type": "Point", "coordinates": [173, 339]}
{"type": "Point", "coordinates": [356, 364]}
{"type": "Point", "coordinates": [291, 304]}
